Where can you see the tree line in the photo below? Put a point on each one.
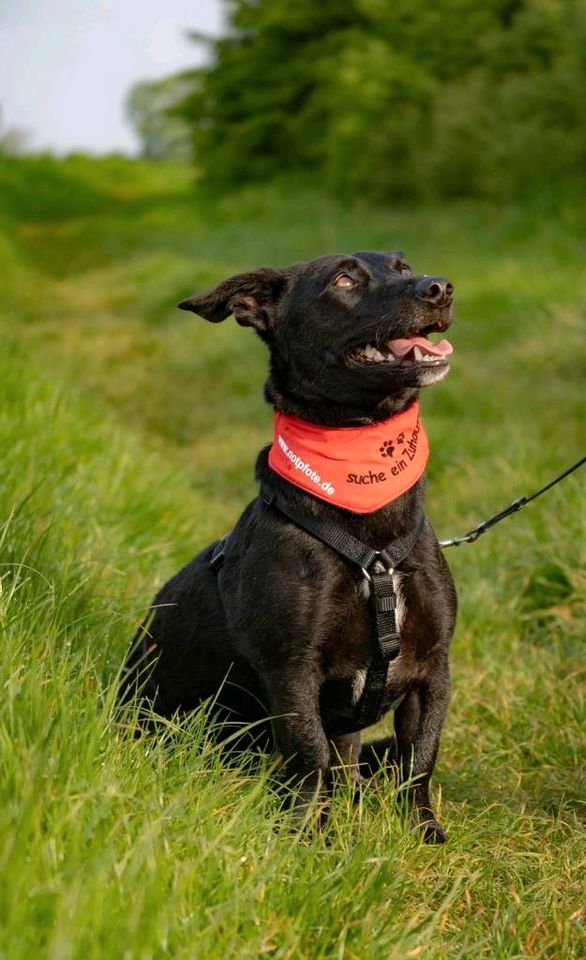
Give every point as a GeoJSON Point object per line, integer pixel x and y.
{"type": "Point", "coordinates": [408, 99]}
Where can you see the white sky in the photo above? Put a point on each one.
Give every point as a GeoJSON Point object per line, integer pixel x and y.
{"type": "Point", "coordinates": [66, 65]}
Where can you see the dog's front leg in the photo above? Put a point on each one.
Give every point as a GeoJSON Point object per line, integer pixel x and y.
{"type": "Point", "coordinates": [418, 724]}
{"type": "Point", "coordinates": [293, 701]}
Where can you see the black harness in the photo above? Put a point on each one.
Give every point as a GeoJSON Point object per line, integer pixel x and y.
{"type": "Point", "coordinates": [376, 567]}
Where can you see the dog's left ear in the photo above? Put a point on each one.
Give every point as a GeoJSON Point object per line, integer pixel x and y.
{"type": "Point", "coordinates": [253, 298]}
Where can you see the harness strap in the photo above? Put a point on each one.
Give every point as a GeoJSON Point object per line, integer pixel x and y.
{"type": "Point", "coordinates": [377, 567]}
{"type": "Point", "coordinates": [386, 648]}
{"type": "Point", "coordinates": [349, 547]}
{"type": "Point", "coordinates": [219, 552]}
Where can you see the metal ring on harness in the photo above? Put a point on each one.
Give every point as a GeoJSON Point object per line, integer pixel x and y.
{"type": "Point", "coordinates": [377, 559]}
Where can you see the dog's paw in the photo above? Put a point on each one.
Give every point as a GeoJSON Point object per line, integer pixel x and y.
{"type": "Point", "coordinates": [433, 832]}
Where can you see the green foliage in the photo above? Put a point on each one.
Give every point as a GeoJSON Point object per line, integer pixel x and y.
{"type": "Point", "coordinates": [42, 187]}
{"type": "Point", "coordinates": [161, 131]}
{"type": "Point", "coordinates": [128, 432]}
{"type": "Point", "coordinates": [395, 100]}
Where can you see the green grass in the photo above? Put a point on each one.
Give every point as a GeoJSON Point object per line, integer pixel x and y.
{"type": "Point", "coordinates": [128, 433]}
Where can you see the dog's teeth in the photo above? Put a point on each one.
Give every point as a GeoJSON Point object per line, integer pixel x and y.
{"type": "Point", "coordinates": [417, 353]}
{"type": "Point", "coordinates": [372, 353]}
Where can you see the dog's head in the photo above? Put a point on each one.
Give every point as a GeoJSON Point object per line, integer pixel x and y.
{"type": "Point", "coordinates": [348, 335]}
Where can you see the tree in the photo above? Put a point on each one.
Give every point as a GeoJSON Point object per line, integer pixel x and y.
{"type": "Point", "coordinates": [392, 100]}
{"type": "Point", "coordinates": [150, 108]}
{"type": "Point", "coordinates": [13, 140]}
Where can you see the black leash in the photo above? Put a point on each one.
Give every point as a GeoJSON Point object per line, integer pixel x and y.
{"type": "Point", "coordinates": [376, 567]}
{"type": "Point", "coordinates": [476, 532]}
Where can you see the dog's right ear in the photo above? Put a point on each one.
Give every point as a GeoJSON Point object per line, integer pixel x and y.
{"type": "Point", "coordinates": [253, 298]}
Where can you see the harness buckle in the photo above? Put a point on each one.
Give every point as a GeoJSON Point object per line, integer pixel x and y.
{"type": "Point", "coordinates": [387, 561]}
{"type": "Point", "coordinates": [390, 646]}
{"type": "Point", "coordinates": [381, 557]}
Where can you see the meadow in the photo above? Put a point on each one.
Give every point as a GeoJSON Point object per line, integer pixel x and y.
{"type": "Point", "coordinates": [128, 432]}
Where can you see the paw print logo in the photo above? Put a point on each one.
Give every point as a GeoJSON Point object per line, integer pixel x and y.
{"type": "Point", "coordinates": [400, 439]}
{"type": "Point", "coordinates": [387, 449]}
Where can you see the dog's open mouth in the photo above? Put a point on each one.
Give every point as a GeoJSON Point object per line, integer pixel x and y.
{"type": "Point", "coordinates": [412, 349]}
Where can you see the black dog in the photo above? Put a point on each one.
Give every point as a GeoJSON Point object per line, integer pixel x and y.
{"type": "Point", "coordinates": [276, 624]}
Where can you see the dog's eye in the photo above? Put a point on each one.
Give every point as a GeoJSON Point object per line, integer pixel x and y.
{"type": "Point", "coordinates": [405, 270]}
{"type": "Point", "coordinates": [343, 280]}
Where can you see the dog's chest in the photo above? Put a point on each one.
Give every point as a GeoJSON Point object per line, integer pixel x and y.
{"type": "Point", "coordinates": [352, 675]}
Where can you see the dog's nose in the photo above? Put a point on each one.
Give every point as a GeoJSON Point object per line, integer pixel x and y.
{"type": "Point", "coordinates": [435, 290]}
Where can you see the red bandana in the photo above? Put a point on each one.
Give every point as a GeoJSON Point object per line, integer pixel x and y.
{"type": "Point", "coordinates": [357, 468]}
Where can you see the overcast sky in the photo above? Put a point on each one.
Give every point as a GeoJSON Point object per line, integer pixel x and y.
{"type": "Point", "coordinates": [66, 65]}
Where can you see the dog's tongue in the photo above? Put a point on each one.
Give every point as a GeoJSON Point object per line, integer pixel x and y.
{"type": "Point", "coordinates": [400, 348]}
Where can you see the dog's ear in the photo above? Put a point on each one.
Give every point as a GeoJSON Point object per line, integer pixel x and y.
{"type": "Point", "coordinates": [253, 298]}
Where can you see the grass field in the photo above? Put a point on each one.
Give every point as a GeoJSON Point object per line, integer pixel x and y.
{"type": "Point", "coordinates": [128, 432]}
